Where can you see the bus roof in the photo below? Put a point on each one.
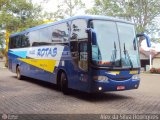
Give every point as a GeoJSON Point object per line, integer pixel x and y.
{"type": "Point", "coordinates": [87, 17]}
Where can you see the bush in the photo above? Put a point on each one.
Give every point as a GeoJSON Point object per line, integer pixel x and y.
{"type": "Point", "coordinates": [155, 70]}
{"type": "Point", "coordinates": [152, 70]}
{"type": "Point", "coordinates": [158, 70]}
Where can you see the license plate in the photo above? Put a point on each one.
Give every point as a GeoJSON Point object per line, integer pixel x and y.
{"type": "Point", "coordinates": [120, 87]}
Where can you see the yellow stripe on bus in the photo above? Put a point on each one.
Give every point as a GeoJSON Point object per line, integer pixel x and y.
{"type": "Point", "coordinates": [133, 72]}
{"type": "Point", "coordinates": [47, 65]}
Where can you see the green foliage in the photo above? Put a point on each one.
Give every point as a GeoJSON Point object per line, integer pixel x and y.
{"type": "Point", "coordinates": [1, 40]}
{"type": "Point", "coordinates": [156, 40]}
{"type": "Point", "coordinates": [17, 15]}
{"type": "Point", "coordinates": [141, 12]}
{"type": "Point", "coordinates": [105, 7]}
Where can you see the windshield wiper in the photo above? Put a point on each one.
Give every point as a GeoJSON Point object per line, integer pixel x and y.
{"type": "Point", "coordinates": [114, 54]}
{"type": "Point", "coordinates": [126, 53]}
{"type": "Point", "coordinates": [115, 50]}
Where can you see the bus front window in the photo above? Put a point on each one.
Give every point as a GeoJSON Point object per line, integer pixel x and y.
{"type": "Point", "coordinates": [116, 44]}
{"type": "Point", "coordinates": [129, 45]}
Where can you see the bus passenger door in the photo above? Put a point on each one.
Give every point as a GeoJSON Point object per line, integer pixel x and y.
{"type": "Point", "coordinates": [83, 56]}
{"type": "Point", "coordinates": [79, 52]}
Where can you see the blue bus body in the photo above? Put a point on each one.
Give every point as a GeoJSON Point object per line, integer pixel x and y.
{"type": "Point", "coordinates": [44, 62]}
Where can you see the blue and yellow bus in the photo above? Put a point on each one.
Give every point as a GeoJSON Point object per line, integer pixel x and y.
{"type": "Point", "coordinates": [86, 53]}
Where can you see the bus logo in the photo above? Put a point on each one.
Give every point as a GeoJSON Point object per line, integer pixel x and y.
{"type": "Point", "coordinates": [47, 52]}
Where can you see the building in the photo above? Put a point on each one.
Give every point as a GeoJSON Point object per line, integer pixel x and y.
{"type": "Point", "coordinates": [145, 53]}
{"type": "Point", "coordinates": [156, 61]}
{"type": "Point", "coordinates": [144, 59]}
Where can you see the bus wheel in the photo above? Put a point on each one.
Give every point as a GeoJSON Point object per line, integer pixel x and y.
{"type": "Point", "coordinates": [64, 83]}
{"type": "Point", "coordinates": [19, 76]}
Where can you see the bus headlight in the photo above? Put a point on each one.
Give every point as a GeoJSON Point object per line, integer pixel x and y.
{"type": "Point", "coordinates": [104, 78]}
{"type": "Point", "coordinates": [136, 77]}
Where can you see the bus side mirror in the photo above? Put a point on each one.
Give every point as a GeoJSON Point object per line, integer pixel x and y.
{"type": "Point", "coordinates": [148, 41]}
{"type": "Point", "coordinates": [93, 35]}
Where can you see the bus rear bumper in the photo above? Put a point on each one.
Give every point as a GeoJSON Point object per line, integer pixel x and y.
{"type": "Point", "coordinates": [113, 85]}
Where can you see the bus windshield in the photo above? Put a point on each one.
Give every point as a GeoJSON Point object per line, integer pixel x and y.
{"type": "Point", "coordinates": [116, 44]}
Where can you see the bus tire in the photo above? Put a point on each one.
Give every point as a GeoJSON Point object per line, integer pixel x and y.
{"type": "Point", "coordinates": [18, 72]}
{"type": "Point", "coordinates": [64, 83]}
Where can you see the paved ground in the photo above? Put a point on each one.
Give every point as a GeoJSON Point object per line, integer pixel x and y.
{"type": "Point", "coordinates": [2, 63]}
{"type": "Point", "coordinates": [31, 96]}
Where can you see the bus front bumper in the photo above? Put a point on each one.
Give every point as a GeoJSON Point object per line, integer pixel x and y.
{"type": "Point", "coordinates": [113, 85]}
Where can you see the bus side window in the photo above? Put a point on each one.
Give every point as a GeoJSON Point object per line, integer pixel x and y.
{"type": "Point", "coordinates": [44, 37]}
{"type": "Point", "coordinates": [78, 43]}
{"type": "Point", "coordinates": [60, 33]}
{"type": "Point", "coordinates": [33, 37]}
{"type": "Point", "coordinates": [19, 41]}
{"type": "Point", "coordinates": [15, 42]}
{"type": "Point", "coordinates": [12, 43]}
{"type": "Point", "coordinates": [25, 41]}
{"type": "Point", "coordinates": [78, 32]}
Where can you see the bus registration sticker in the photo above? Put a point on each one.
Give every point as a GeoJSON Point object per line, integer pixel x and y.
{"type": "Point", "coordinates": [120, 87]}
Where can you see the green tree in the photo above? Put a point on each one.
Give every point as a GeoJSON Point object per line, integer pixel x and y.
{"type": "Point", "coordinates": [1, 41]}
{"type": "Point", "coordinates": [17, 15]}
{"type": "Point", "coordinates": [141, 12]}
{"type": "Point", "coordinates": [105, 7]}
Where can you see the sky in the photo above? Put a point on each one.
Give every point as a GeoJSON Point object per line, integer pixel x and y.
{"type": "Point", "coordinates": [154, 46]}
{"type": "Point", "coordinates": [51, 5]}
